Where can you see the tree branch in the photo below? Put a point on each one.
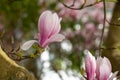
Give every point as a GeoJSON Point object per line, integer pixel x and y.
{"type": "Point", "coordinates": [101, 39]}
{"type": "Point", "coordinates": [113, 39]}
{"type": "Point", "coordinates": [81, 7]}
{"type": "Point", "coordinates": [9, 70]}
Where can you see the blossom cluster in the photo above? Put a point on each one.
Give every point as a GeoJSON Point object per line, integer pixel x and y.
{"type": "Point", "coordinates": [98, 69]}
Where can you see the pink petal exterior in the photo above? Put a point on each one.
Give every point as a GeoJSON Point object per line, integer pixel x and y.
{"type": "Point", "coordinates": [103, 69]}
{"type": "Point", "coordinates": [48, 26]}
{"type": "Point", "coordinates": [54, 38]}
{"type": "Point", "coordinates": [99, 69]}
{"type": "Point", "coordinates": [90, 65]}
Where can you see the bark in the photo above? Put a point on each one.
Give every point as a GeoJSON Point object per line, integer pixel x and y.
{"type": "Point", "coordinates": [9, 70]}
{"type": "Point", "coordinates": [113, 39]}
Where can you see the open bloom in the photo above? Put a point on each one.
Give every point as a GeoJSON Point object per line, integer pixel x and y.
{"type": "Point", "coordinates": [99, 69]}
{"type": "Point", "coordinates": [49, 28]}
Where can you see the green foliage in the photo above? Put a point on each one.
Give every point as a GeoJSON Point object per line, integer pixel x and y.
{"type": "Point", "coordinates": [19, 13]}
{"type": "Point", "coordinates": [58, 64]}
{"type": "Point", "coordinates": [111, 0]}
{"type": "Point", "coordinates": [76, 59]}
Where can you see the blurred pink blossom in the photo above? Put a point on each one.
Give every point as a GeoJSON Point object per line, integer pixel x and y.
{"type": "Point", "coordinates": [49, 28]}
{"type": "Point", "coordinates": [97, 15]}
{"type": "Point", "coordinates": [69, 33]}
{"type": "Point", "coordinates": [89, 30]}
{"type": "Point", "coordinates": [99, 5]}
{"type": "Point", "coordinates": [66, 12]}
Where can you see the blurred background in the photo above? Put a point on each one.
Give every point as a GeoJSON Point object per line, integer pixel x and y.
{"type": "Point", "coordinates": [61, 61]}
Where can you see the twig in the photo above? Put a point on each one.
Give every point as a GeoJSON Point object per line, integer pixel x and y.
{"type": "Point", "coordinates": [81, 7]}
{"type": "Point", "coordinates": [73, 3]}
{"type": "Point", "coordinates": [114, 24]}
{"type": "Point", "coordinates": [56, 70]}
{"type": "Point", "coordinates": [102, 35]}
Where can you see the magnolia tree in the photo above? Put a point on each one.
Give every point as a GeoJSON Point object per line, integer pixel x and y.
{"type": "Point", "coordinates": [68, 30]}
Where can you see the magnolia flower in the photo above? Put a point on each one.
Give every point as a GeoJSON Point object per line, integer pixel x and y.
{"type": "Point", "coordinates": [90, 66]}
{"type": "Point", "coordinates": [99, 69]}
{"type": "Point", "coordinates": [49, 28]}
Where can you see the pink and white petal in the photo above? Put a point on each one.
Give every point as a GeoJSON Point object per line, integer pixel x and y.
{"type": "Point", "coordinates": [90, 65]}
{"type": "Point", "coordinates": [105, 69]}
{"type": "Point", "coordinates": [98, 63]}
{"type": "Point", "coordinates": [28, 44]}
{"type": "Point", "coordinates": [54, 38]}
{"type": "Point", "coordinates": [113, 75]}
{"type": "Point", "coordinates": [56, 26]}
{"type": "Point", "coordinates": [41, 20]}
{"type": "Point", "coordinates": [44, 25]}
{"type": "Point", "coordinates": [108, 63]}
